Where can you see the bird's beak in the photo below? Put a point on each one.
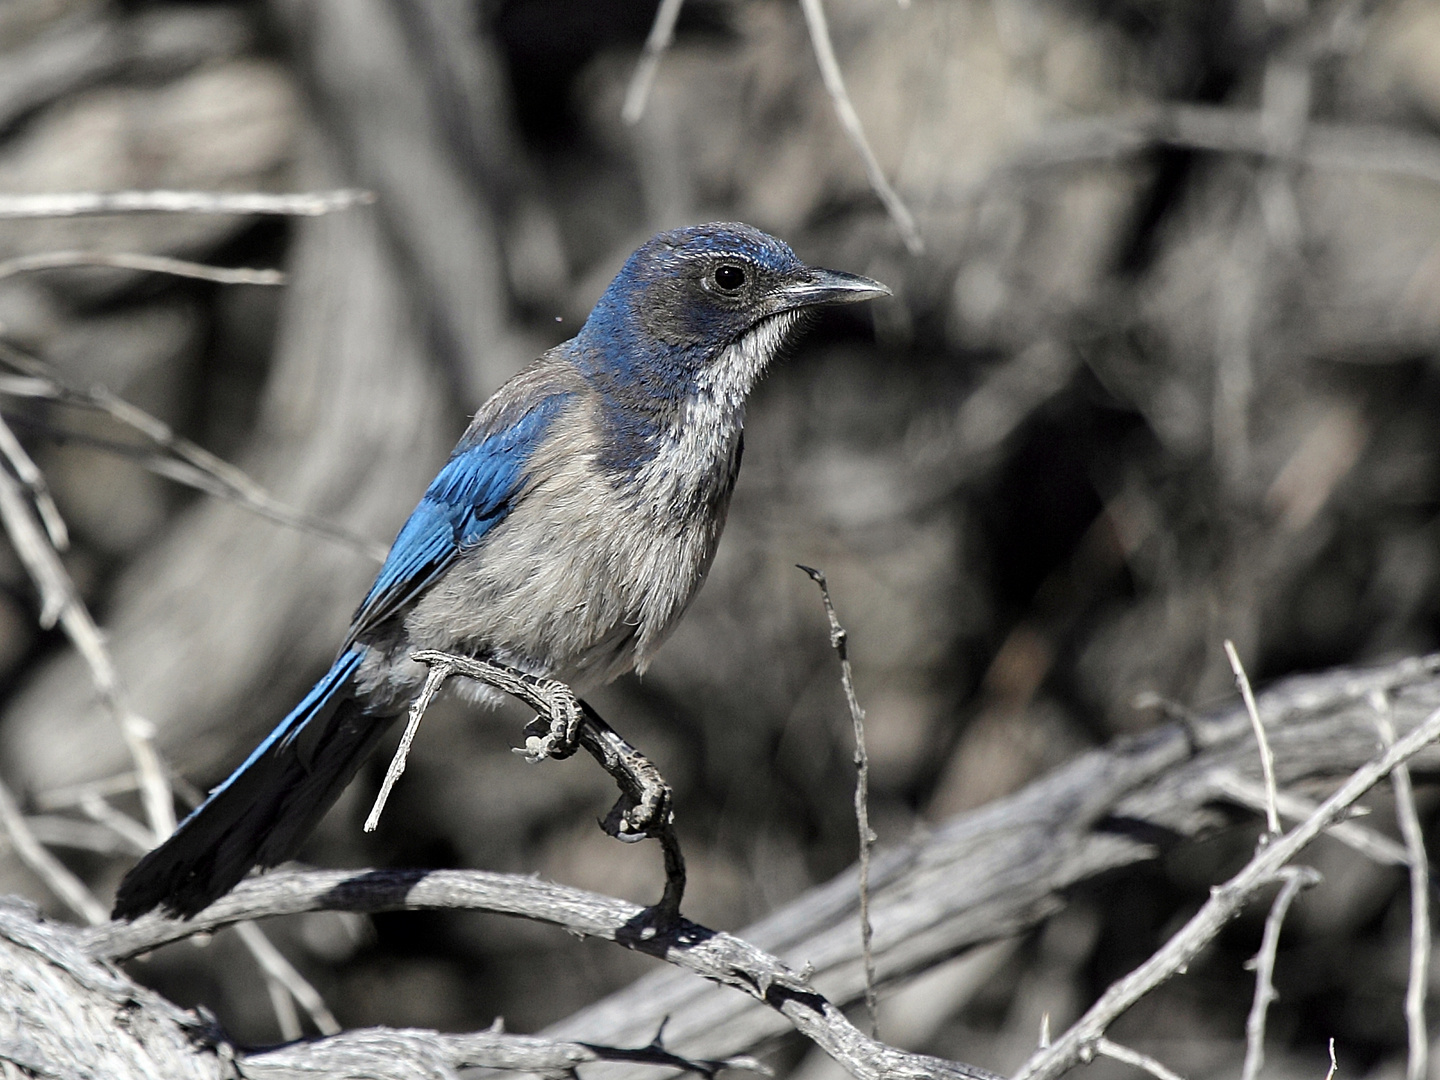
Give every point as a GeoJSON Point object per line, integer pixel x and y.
{"type": "Point", "coordinates": [816, 286]}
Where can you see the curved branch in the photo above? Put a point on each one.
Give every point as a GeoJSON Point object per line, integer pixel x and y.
{"type": "Point", "coordinates": [717, 956]}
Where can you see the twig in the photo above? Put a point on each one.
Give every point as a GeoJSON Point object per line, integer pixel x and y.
{"type": "Point", "coordinates": [839, 641]}
{"type": "Point", "coordinates": [1155, 1068]}
{"type": "Point", "coordinates": [45, 866]}
{"type": "Point", "coordinates": [280, 972]}
{"type": "Point", "coordinates": [434, 679]}
{"type": "Point", "coordinates": [850, 121]}
{"type": "Point", "coordinates": [1368, 842]}
{"type": "Point", "coordinates": [30, 475]}
{"type": "Point", "coordinates": [122, 825]}
{"type": "Point", "coordinates": [1267, 758]}
{"type": "Point", "coordinates": [1330, 1072]}
{"type": "Point", "coordinates": [712, 954]}
{"type": "Point", "coordinates": [159, 264]}
{"type": "Point", "coordinates": [662, 32]}
{"type": "Point", "coordinates": [1409, 820]}
{"type": "Point", "coordinates": [1225, 902]}
{"type": "Point", "coordinates": [304, 204]}
{"type": "Point", "coordinates": [1296, 878]}
{"type": "Point", "coordinates": [60, 602]}
{"type": "Point", "coordinates": [191, 464]}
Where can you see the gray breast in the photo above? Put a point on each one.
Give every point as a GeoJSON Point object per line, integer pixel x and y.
{"type": "Point", "coordinates": [590, 571]}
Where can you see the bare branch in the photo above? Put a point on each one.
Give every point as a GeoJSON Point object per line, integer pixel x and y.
{"type": "Point", "coordinates": [374, 1052]}
{"type": "Point", "coordinates": [1224, 903]}
{"type": "Point", "coordinates": [662, 32]}
{"type": "Point", "coordinates": [60, 601]}
{"type": "Point", "coordinates": [1409, 819]}
{"type": "Point", "coordinates": [1267, 758]}
{"type": "Point", "coordinates": [434, 679]}
{"type": "Point", "coordinates": [184, 462]}
{"type": "Point", "coordinates": [717, 956]}
{"type": "Point", "coordinates": [1296, 878]}
{"type": "Point", "coordinates": [1368, 842]}
{"type": "Point", "coordinates": [159, 264]}
{"type": "Point", "coordinates": [850, 120]}
{"type": "Point", "coordinates": [1133, 1057]}
{"type": "Point", "coordinates": [45, 866]}
{"type": "Point", "coordinates": [839, 641]}
{"type": "Point", "coordinates": [280, 972]}
{"type": "Point", "coordinates": [304, 204]}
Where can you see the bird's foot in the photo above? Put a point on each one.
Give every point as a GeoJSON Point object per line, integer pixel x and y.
{"type": "Point", "coordinates": [555, 731]}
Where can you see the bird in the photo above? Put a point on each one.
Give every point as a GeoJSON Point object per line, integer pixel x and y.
{"type": "Point", "coordinates": [565, 536]}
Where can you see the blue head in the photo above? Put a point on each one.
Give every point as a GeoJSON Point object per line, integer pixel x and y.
{"type": "Point", "coordinates": [699, 311]}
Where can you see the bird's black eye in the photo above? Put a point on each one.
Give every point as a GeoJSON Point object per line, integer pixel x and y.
{"type": "Point", "coordinates": [729, 276]}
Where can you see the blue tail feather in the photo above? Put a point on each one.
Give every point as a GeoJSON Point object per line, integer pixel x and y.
{"type": "Point", "coordinates": [263, 811]}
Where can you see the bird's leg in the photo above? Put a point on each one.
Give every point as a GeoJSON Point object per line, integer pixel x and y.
{"type": "Point", "coordinates": [563, 724]}
{"type": "Point", "coordinates": [645, 807]}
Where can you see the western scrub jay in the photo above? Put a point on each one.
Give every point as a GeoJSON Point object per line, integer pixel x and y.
{"type": "Point", "coordinates": [564, 537]}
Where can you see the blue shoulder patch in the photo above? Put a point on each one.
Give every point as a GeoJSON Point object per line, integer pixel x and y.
{"type": "Point", "coordinates": [472, 493]}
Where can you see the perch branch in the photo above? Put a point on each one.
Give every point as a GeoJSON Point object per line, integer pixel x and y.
{"type": "Point", "coordinates": [1225, 902]}
{"type": "Point", "coordinates": [644, 807]}
{"type": "Point", "coordinates": [717, 956]}
{"type": "Point", "coordinates": [304, 204]}
{"type": "Point", "coordinates": [839, 641]}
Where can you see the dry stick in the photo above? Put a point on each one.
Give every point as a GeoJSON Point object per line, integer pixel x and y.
{"type": "Point", "coordinates": [850, 121]}
{"type": "Point", "coordinates": [1330, 1072]}
{"type": "Point", "coordinates": [45, 866]}
{"type": "Point", "coordinates": [720, 957]}
{"type": "Point", "coordinates": [1109, 1049]}
{"type": "Point", "coordinates": [30, 475]}
{"type": "Point", "coordinates": [1296, 878]}
{"type": "Point", "coordinates": [60, 601]}
{"type": "Point", "coordinates": [839, 641]}
{"type": "Point", "coordinates": [1409, 820]}
{"type": "Point", "coordinates": [1367, 842]}
{"type": "Point", "coordinates": [280, 972]}
{"type": "Point", "coordinates": [1225, 902]}
{"type": "Point", "coordinates": [433, 681]}
{"type": "Point", "coordinates": [304, 204]}
{"type": "Point", "coordinates": [1267, 758]}
{"type": "Point", "coordinates": [196, 467]}
{"type": "Point", "coordinates": [662, 32]}
{"type": "Point", "coordinates": [643, 809]}
{"type": "Point", "coordinates": [159, 264]}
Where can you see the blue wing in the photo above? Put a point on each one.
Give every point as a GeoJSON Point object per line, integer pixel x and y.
{"type": "Point", "coordinates": [469, 496]}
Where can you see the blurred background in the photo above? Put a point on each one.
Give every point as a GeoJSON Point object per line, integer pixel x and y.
{"type": "Point", "coordinates": [1165, 374]}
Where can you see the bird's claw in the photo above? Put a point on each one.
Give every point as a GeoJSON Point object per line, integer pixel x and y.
{"type": "Point", "coordinates": [559, 736]}
{"type": "Point", "coordinates": [633, 819]}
